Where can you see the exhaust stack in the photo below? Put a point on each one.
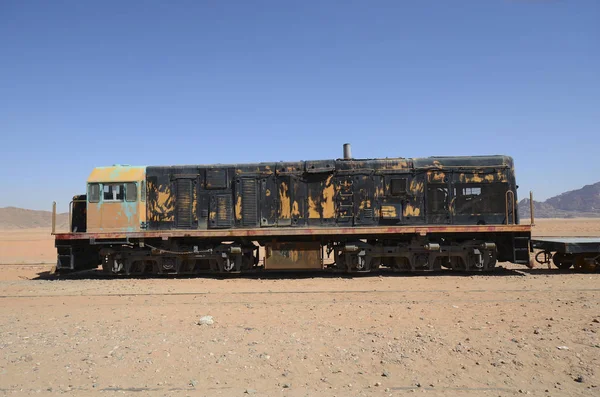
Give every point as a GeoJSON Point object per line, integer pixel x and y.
{"type": "Point", "coordinates": [347, 152]}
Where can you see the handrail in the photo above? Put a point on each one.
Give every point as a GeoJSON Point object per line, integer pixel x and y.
{"type": "Point", "coordinates": [512, 194]}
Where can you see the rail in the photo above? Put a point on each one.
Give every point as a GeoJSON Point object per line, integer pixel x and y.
{"type": "Point", "coordinates": [512, 203]}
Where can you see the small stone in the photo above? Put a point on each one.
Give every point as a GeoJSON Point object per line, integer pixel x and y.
{"type": "Point", "coordinates": [286, 385]}
{"type": "Point", "coordinates": [193, 383]}
{"type": "Point", "coordinates": [596, 320]}
{"type": "Point", "coordinates": [562, 347]}
{"type": "Point", "coordinates": [579, 379]}
{"type": "Point", "coordinates": [418, 384]}
{"type": "Point", "coordinates": [249, 391]}
{"type": "Point", "coordinates": [385, 373]}
{"type": "Point", "coordinates": [206, 320]}
{"type": "Point", "coordinates": [377, 384]}
{"type": "Point", "coordinates": [536, 331]}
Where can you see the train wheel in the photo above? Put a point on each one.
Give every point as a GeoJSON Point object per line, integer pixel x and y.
{"type": "Point", "coordinates": [563, 261]}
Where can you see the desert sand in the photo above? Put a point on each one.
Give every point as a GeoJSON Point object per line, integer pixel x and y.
{"type": "Point", "coordinates": [518, 331]}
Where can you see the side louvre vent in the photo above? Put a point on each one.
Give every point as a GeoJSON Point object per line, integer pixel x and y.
{"type": "Point", "coordinates": [183, 204]}
{"type": "Point", "coordinates": [249, 202]}
{"type": "Point", "coordinates": [224, 218]}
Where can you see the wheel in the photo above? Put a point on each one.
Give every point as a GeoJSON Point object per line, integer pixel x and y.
{"type": "Point", "coordinates": [563, 261]}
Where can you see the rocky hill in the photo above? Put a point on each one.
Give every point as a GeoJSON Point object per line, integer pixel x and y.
{"type": "Point", "coordinates": [584, 202]}
{"type": "Point", "coordinates": [19, 218]}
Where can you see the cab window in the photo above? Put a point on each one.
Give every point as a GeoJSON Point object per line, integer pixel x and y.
{"type": "Point", "coordinates": [130, 191]}
{"type": "Point", "coordinates": [94, 192]}
{"type": "Point", "coordinates": [113, 192]}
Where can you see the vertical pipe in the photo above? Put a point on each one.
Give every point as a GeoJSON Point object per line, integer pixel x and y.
{"type": "Point", "coordinates": [531, 208]}
{"type": "Point", "coordinates": [70, 217]}
{"type": "Point", "coordinates": [347, 151]}
{"type": "Point", "coordinates": [53, 217]}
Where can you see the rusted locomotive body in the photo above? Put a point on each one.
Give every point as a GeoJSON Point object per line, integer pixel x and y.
{"type": "Point", "coordinates": [346, 215]}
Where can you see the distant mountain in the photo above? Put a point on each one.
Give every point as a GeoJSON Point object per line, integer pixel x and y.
{"type": "Point", "coordinates": [584, 202]}
{"type": "Point", "coordinates": [18, 218]}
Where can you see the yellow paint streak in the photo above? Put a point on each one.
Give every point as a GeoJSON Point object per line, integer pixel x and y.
{"type": "Point", "coordinates": [238, 208]}
{"type": "Point", "coordinates": [416, 186]}
{"type": "Point", "coordinates": [388, 211]}
{"type": "Point", "coordinates": [284, 201]}
{"type": "Point", "coordinates": [475, 178]}
{"type": "Point", "coordinates": [410, 210]}
{"type": "Point", "coordinates": [160, 209]}
{"type": "Point", "coordinates": [364, 204]}
{"type": "Point", "coordinates": [436, 176]}
{"type": "Point", "coordinates": [295, 209]}
{"type": "Point", "coordinates": [194, 205]}
{"type": "Point", "coordinates": [327, 204]}
{"type": "Point", "coordinates": [313, 211]}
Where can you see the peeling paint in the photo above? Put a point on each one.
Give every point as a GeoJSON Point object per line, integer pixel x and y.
{"type": "Point", "coordinates": [388, 211]}
{"type": "Point", "coordinates": [238, 208]}
{"type": "Point", "coordinates": [284, 201]}
{"type": "Point", "coordinates": [411, 210]}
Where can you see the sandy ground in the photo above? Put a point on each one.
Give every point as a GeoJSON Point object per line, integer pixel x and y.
{"type": "Point", "coordinates": [516, 332]}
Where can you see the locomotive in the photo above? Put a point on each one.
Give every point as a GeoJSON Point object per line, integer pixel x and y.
{"type": "Point", "coordinates": [347, 215]}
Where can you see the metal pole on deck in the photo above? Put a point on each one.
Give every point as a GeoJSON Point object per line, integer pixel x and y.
{"type": "Point", "coordinates": [53, 217]}
{"type": "Point", "coordinates": [531, 207]}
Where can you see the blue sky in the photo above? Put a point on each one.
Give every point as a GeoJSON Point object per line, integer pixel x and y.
{"type": "Point", "coordinates": [84, 84]}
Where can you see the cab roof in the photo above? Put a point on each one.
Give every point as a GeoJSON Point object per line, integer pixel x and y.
{"type": "Point", "coordinates": [117, 173]}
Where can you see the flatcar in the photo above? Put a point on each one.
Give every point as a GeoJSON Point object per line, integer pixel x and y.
{"type": "Point", "coordinates": [347, 215]}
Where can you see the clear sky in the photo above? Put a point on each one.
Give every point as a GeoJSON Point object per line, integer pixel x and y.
{"type": "Point", "coordinates": [84, 84]}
